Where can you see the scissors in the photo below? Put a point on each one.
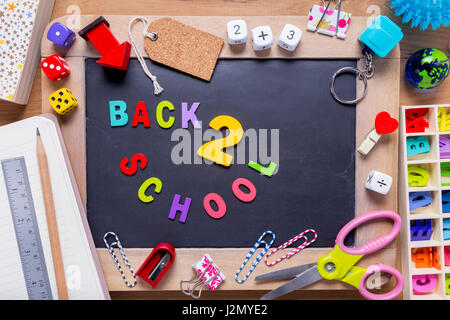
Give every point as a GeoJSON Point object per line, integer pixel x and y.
{"type": "Point", "coordinates": [339, 264]}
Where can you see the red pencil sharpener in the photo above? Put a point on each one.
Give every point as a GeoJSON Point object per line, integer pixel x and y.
{"type": "Point", "coordinates": [157, 264]}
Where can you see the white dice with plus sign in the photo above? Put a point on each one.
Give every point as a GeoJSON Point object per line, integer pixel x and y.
{"type": "Point", "coordinates": [379, 182]}
{"type": "Point", "coordinates": [262, 38]}
{"type": "Point", "coordinates": [237, 31]}
{"type": "Point", "coordinates": [289, 37]}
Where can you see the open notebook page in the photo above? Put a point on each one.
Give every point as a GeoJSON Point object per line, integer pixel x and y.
{"type": "Point", "coordinates": [19, 139]}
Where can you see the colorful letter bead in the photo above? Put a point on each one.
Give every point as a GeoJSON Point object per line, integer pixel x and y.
{"type": "Point", "coordinates": [142, 192]}
{"type": "Point", "coordinates": [381, 36]}
{"type": "Point", "coordinates": [237, 31]}
{"type": "Point", "coordinates": [417, 145]}
{"type": "Point", "coordinates": [60, 35]}
{"type": "Point", "coordinates": [118, 113]}
{"type": "Point", "coordinates": [55, 67]}
{"type": "Point", "coordinates": [244, 197]}
{"type": "Point", "coordinates": [418, 176]}
{"type": "Point", "coordinates": [262, 38]}
{"type": "Point", "coordinates": [263, 170]}
{"type": "Point", "coordinates": [423, 283]}
{"type": "Point", "coordinates": [221, 205]}
{"type": "Point", "coordinates": [178, 207]}
{"type": "Point", "coordinates": [135, 159]}
{"type": "Point", "coordinates": [419, 199]}
{"type": "Point", "coordinates": [289, 37]}
{"type": "Point", "coordinates": [63, 101]}
{"type": "Point", "coordinates": [379, 182]}
{"type": "Point", "coordinates": [329, 25]}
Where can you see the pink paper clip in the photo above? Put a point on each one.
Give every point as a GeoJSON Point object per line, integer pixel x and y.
{"type": "Point", "coordinates": [295, 250]}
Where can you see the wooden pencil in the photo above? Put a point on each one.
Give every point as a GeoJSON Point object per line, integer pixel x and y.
{"type": "Point", "coordinates": [51, 218]}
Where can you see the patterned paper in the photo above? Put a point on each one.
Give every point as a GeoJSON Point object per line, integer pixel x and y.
{"type": "Point", "coordinates": [16, 25]}
{"type": "Point", "coordinates": [328, 24]}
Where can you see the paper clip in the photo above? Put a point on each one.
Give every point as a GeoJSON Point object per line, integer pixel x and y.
{"type": "Point", "coordinates": [258, 258]}
{"type": "Point", "coordinates": [206, 274]}
{"type": "Point", "coordinates": [124, 257]}
{"type": "Point", "coordinates": [295, 250]}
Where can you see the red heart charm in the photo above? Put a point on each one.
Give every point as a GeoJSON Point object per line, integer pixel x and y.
{"type": "Point", "coordinates": [385, 124]}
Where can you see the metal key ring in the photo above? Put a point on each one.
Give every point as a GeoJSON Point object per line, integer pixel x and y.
{"type": "Point", "coordinates": [362, 76]}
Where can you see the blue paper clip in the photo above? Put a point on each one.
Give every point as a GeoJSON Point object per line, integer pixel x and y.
{"type": "Point", "coordinates": [261, 255]}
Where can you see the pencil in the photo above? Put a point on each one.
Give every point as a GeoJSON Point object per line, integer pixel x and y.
{"type": "Point", "coordinates": [51, 218]}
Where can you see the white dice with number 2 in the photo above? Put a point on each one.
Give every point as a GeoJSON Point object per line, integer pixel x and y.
{"type": "Point", "coordinates": [289, 37]}
{"type": "Point", "coordinates": [262, 38]}
{"type": "Point", "coordinates": [237, 31]}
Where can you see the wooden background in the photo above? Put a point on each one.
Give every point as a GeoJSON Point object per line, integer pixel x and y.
{"type": "Point", "coordinates": [413, 40]}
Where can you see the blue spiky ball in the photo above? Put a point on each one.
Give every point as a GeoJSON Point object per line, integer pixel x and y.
{"type": "Point", "coordinates": [423, 12]}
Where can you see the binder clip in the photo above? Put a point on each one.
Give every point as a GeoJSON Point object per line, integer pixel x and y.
{"type": "Point", "coordinates": [329, 21]}
{"type": "Point", "coordinates": [207, 274]}
{"type": "Point", "coordinates": [157, 264]}
{"type": "Point", "coordinates": [384, 124]}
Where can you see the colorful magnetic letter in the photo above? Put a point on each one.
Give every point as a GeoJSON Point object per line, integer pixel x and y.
{"type": "Point", "coordinates": [159, 116]}
{"type": "Point", "coordinates": [447, 256]}
{"type": "Point", "coordinates": [421, 230]}
{"type": "Point", "coordinates": [418, 176]}
{"type": "Point", "coordinates": [212, 150]}
{"type": "Point", "coordinates": [419, 199]}
{"type": "Point", "coordinates": [141, 115]}
{"type": "Point", "coordinates": [221, 205]}
{"type": "Point", "coordinates": [423, 283]}
{"type": "Point", "coordinates": [447, 283]}
{"type": "Point", "coordinates": [265, 171]}
{"type": "Point", "coordinates": [446, 227]}
{"type": "Point", "coordinates": [443, 119]}
{"type": "Point", "coordinates": [417, 145]}
{"type": "Point", "coordinates": [446, 201]}
{"type": "Point", "coordinates": [138, 157]}
{"type": "Point", "coordinates": [444, 147]}
{"type": "Point", "coordinates": [244, 197]}
{"type": "Point", "coordinates": [117, 113]}
{"type": "Point", "coordinates": [147, 183]}
{"type": "Point", "coordinates": [182, 208]}
{"type": "Point", "coordinates": [189, 115]}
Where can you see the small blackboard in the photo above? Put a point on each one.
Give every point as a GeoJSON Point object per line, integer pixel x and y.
{"type": "Point", "coordinates": [314, 186]}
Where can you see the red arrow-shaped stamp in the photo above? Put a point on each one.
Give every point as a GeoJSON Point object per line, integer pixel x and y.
{"type": "Point", "coordinates": [114, 54]}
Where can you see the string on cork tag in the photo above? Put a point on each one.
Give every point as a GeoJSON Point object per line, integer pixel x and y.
{"type": "Point", "coordinates": [153, 36]}
{"type": "Point", "coordinates": [183, 47]}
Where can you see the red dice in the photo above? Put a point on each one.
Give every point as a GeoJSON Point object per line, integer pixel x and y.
{"type": "Point", "coordinates": [55, 67]}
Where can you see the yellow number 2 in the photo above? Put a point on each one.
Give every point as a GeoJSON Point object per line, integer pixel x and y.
{"type": "Point", "coordinates": [212, 150]}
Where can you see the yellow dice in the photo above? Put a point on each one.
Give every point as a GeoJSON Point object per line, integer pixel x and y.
{"type": "Point", "coordinates": [63, 101]}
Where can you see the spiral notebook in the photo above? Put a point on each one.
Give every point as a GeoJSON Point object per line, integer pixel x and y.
{"type": "Point", "coordinates": [83, 272]}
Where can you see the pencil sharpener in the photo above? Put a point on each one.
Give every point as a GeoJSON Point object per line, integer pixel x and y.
{"type": "Point", "coordinates": [157, 264]}
{"type": "Point", "coordinates": [381, 36]}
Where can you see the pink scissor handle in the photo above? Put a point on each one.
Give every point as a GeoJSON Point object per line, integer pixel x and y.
{"type": "Point", "coordinates": [374, 244]}
{"type": "Point", "coordinates": [385, 296]}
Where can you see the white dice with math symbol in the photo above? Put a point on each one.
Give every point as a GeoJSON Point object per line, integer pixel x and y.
{"type": "Point", "coordinates": [379, 182]}
{"type": "Point", "coordinates": [289, 37]}
{"type": "Point", "coordinates": [237, 31]}
{"type": "Point", "coordinates": [262, 38]}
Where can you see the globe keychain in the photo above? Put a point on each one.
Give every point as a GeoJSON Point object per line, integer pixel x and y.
{"type": "Point", "coordinates": [379, 38]}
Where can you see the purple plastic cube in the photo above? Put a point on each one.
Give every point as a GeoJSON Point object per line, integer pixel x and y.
{"type": "Point", "coordinates": [60, 35]}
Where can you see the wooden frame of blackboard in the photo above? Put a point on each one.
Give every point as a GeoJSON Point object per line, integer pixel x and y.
{"type": "Point", "coordinates": [383, 94]}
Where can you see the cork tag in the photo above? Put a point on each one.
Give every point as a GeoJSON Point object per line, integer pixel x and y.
{"type": "Point", "coordinates": [183, 47]}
